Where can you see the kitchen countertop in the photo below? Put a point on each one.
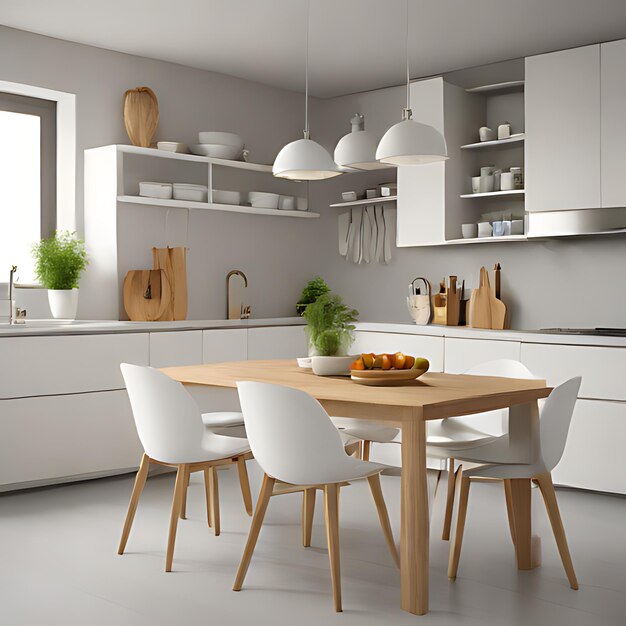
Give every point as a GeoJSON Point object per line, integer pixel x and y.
{"type": "Point", "coordinates": [97, 327]}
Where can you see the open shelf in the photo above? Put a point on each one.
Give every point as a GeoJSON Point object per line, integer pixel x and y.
{"type": "Point", "coordinates": [454, 242]}
{"type": "Point", "coordinates": [178, 156]}
{"type": "Point", "coordinates": [366, 201]}
{"type": "Point", "coordinates": [496, 143]}
{"type": "Point", "coordinates": [511, 85]}
{"type": "Point", "coordinates": [491, 194]}
{"type": "Point", "coordinates": [212, 206]}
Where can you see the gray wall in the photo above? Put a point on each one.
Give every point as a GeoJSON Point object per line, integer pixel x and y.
{"type": "Point", "coordinates": [279, 255]}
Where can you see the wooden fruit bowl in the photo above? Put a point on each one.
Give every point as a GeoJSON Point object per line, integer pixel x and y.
{"type": "Point", "coordinates": [386, 378]}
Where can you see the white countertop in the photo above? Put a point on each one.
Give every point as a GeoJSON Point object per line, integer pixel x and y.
{"type": "Point", "coordinates": [93, 327]}
{"type": "Point", "coordinates": [96, 327]}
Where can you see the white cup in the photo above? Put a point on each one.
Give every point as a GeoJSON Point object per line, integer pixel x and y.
{"type": "Point", "coordinates": [486, 183]}
{"type": "Point", "coordinates": [484, 229]}
{"type": "Point", "coordinates": [506, 181]}
{"type": "Point", "coordinates": [470, 231]}
{"type": "Point", "coordinates": [517, 227]}
{"type": "Point", "coordinates": [506, 227]}
{"type": "Point", "coordinates": [498, 229]}
{"type": "Point", "coordinates": [287, 203]}
{"type": "Point", "coordinates": [475, 184]}
{"type": "Point", "coordinates": [486, 134]}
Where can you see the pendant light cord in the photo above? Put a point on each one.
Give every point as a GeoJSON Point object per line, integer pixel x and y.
{"type": "Point", "coordinates": [306, 73]}
{"type": "Point", "coordinates": [406, 47]}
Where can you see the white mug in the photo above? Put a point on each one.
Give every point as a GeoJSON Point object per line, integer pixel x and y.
{"type": "Point", "coordinates": [486, 183]}
{"type": "Point", "coordinates": [498, 229]}
{"type": "Point", "coordinates": [506, 181]}
{"type": "Point", "coordinates": [469, 230]}
{"type": "Point", "coordinates": [484, 229]}
{"type": "Point", "coordinates": [486, 134]}
{"type": "Point", "coordinates": [475, 184]}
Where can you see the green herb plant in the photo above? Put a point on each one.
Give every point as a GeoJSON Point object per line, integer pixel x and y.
{"type": "Point", "coordinates": [330, 324]}
{"type": "Point", "coordinates": [60, 260]}
{"type": "Point", "coordinates": [312, 291]}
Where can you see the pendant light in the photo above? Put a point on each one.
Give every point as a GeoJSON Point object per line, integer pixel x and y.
{"type": "Point", "coordinates": [357, 149]}
{"type": "Point", "coordinates": [409, 142]}
{"type": "Point", "coordinates": [305, 159]}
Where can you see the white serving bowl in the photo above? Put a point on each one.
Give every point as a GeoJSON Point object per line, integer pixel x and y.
{"type": "Point", "coordinates": [222, 196]}
{"type": "Point", "coordinates": [332, 365]}
{"type": "Point", "coordinates": [263, 200]}
{"type": "Point", "coordinates": [156, 190]}
{"type": "Point", "coordinates": [172, 146]}
{"type": "Point", "coordinates": [217, 151]}
{"type": "Point", "coordinates": [188, 191]}
{"type": "Point", "coordinates": [224, 139]}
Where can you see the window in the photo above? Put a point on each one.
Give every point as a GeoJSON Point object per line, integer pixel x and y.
{"type": "Point", "coordinates": [27, 179]}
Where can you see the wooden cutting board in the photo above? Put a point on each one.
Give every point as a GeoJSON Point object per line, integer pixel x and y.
{"type": "Point", "coordinates": [141, 115]}
{"type": "Point", "coordinates": [173, 262]}
{"type": "Point", "coordinates": [147, 295]}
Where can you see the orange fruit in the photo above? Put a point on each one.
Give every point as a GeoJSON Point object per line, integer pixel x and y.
{"type": "Point", "coordinates": [409, 361]}
{"type": "Point", "coordinates": [357, 365]}
{"type": "Point", "coordinates": [399, 361]}
{"type": "Point", "coordinates": [368, 361]}
{"type": "Point", "coordinates": [386, 362]}
{"type": "Point", "coordinates": [378, 361]}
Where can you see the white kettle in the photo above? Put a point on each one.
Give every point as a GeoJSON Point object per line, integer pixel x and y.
{"type": "Point", "coordinates": [418, 303]}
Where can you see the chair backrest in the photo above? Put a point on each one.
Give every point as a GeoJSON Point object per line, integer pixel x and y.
{"type": "Point", "coordinates": [168, 420]}
{"type": "Point", "coordinates": [555, 420]}
{"type": "Point", "coordinates": [496, 422]}
{"type": "Point", "coordinates": [290, 434]}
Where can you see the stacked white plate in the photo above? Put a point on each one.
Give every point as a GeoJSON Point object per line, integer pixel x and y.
{"type": "Point", "coordinates": [156, 190]}
{"type": "Point", "coordinates": [218, 145]}
{"type": "Point", "coordinates": [188, 191]}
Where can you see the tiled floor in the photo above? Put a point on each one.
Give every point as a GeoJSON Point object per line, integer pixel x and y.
{"type": "Point", "coordinates": [59, 562]}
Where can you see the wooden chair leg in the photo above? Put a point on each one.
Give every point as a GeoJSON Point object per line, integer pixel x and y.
{"type": "Point", "coordinates": [509, 507]}
{"type": "Point", "coordinates": [176, 505]}
{"type": "Point", "coordinates": [209, 499]}
{"type": "Point", "coordinates": [215, 501]}
{"type": "Point", "coordinates": [308, 509]}
{"type": "Point", "coordinates": [140, 481]}
{"type": "Point", "coordinates": [549, 497]}
{"type": "Point", "coordinates": [257, 521]}
{"type": "Point", "coordinates": [183, 505]}
{"type": "Point", "coordinates": [463, 485]}
{"type": "Point", "coordinates": [244, 483]}
{"type": "Point", "coordinates": [367, 447]}
{"type": "Point", "coordinates": [447, 520]}
{"type": "Point", "coordinates": [331, 508]}
{"type": "Point", "coordinates": [383, 516]}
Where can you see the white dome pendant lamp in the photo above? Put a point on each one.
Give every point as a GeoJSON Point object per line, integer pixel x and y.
{"type": "Point", "coordinates": [409, 142]}
{"type": "Point", "coordinates": [305, 159]}
{"type": "Point", "coordinates": [357, 149]}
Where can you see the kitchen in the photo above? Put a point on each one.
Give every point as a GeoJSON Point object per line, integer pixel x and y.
{"type": "Point", "coordinates": [70, 449]}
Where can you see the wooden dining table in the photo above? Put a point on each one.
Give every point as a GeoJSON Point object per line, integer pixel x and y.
{"type": "Point", "coordinates": [433, 396]}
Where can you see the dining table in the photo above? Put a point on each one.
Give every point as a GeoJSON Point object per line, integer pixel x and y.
{"type": "Point", "coordinates": [409, 406]}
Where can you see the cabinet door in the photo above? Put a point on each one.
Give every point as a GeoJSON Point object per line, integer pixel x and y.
{"type": "Point", "coordinates": [462, 354]}
{"type": "Point", "coordinates": [430, 348]}
{"type": "Point", "coordinates": [593, 456]}
{"type": "Point", "coordinates": [562, 147]}
{"type": "Point", "coordinates": [58, 437]}
{"type": "Point", "coordinates": [277, 342]}
{"type": "Point", "coordinates": [613, 99]}
{"type": "Point", "coordinates": [176, 348]}
{"type": "Point", "coordinates": [221, 345]}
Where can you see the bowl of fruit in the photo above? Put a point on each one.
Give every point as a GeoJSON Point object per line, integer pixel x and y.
{"type": "Point", "coordinates": [387, 369]}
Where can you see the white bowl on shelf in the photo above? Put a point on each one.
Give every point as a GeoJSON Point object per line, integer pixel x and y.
{"type": "Point", "coordinates": [173, 146]}
{"type": "Point", "coordinates": [189, 191]}
{"type": "Point", "coordinates": [263, 200]}
{"type": "Point", "coordinates": [224, 139]}
{"type": "Point", "coordinates": [217, 151]}
{"type": "Point", "coordinates": [223, 196]}
{"type": "Point", "coordinates": [163, 191]}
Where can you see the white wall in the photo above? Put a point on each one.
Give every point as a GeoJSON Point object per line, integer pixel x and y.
{"type": "Point", "coordinates": [279, 255]}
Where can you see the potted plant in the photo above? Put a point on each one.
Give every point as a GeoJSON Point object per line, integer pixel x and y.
{"type": "Point", "coordinates": [59, 262]}
{"type": "Point", "coordinates": [330, 329]}
{"type": "Point", "coordinates": [312, 291]}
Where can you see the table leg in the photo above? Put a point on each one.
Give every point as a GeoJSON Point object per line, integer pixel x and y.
{"type": "Point", "coordinates": [414, 535]}
{"type": "Point", "coordinates": [520, 501]}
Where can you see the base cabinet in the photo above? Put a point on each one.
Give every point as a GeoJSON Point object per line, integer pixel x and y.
{"type": "Point", "coordinates": [53, 438]}
{"type": "Point", "coordinates": [277, 342]}
{"type": "Point", "coordinates": [176, 348]}
{"type": "Point", "coordinates": [222, 345]}
{"type": "Point", "coordinates": [463, 354]}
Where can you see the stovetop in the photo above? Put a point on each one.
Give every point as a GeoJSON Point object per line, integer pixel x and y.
{"type": "Point", "coordinates": [601, 332]}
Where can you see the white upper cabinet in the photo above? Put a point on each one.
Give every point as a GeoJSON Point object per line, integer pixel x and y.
{"type": "Point", "coordinates": [613, 90]}
{"type": "Point", "coordinates": [563, 133]}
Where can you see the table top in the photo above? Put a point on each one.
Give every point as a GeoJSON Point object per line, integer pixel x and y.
{"type": "Point", "coordinates": [432, 396]}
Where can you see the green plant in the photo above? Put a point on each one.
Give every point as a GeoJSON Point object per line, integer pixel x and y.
{"type": "Point", "coordinates": [60, 260]}
{"type": "Point", "coordinates": [311, 292]}
{"type": "Point", "coordinates": [329, 324]}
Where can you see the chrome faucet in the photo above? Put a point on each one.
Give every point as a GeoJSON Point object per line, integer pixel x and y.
{"type": "Point", "coordinates": [244, 312]}
{"type": "Point", "coordinates": [20, 315]}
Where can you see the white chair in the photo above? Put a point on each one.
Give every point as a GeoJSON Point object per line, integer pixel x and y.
{"type": "Point", "coordinates": [554, 423]}
{"type": "Point", "coordinates": [171, 431]}
{"type": "Point", "coordinates": [294, 442]}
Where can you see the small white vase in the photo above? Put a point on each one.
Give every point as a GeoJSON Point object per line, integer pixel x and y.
{"type": "Point", "coordinates": [63, 303]}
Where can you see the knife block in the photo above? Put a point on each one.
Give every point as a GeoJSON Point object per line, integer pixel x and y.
{"type": "Point", "coordinates": [447, 308]}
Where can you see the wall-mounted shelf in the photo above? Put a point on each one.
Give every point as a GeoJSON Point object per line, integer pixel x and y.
{"type": "Point", "coordinates": [213, 206]}
{"type": "Point", "coordinates": [505, 238]}
{"type": "Point", "coordinates": [511, 85]}
{"type": "Point", "coordinates": [496, 143]}
{"type": "Point", "coordinates": [366, 201]}
{"type": "Point", "coordinates": [491, 194]}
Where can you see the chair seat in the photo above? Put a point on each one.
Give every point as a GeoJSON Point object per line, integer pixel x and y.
{"type": "Point", "coordinates": [366, 430]}
{"type": "Point", "coordinates": [221, 419]}
{"type": "Point", "coordinates": [217, 447]}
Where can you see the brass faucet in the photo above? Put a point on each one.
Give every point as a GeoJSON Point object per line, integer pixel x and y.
{"type": "Point", "coordinates": [19, 317]}
{"type": "Point", "coordinates": [245, 284]}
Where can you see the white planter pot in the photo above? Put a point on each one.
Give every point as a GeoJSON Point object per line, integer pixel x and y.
{"type": "Point", "coordinates": [332, 365]}
{"type": "Point", "coordinates": [63, 303]}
